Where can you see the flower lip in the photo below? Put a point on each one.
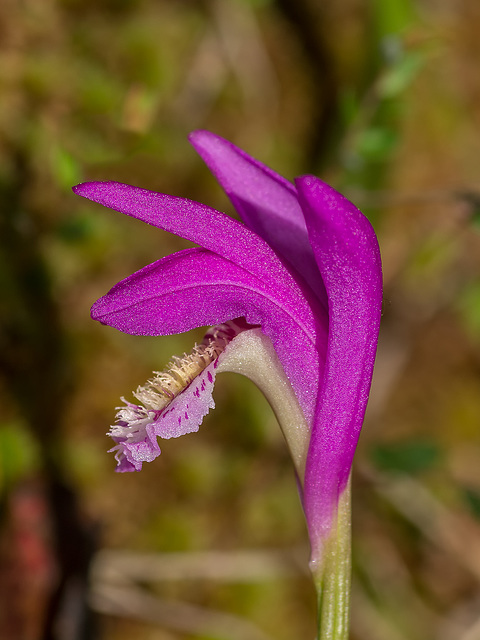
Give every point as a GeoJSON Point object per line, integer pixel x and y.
{"type": "Point", "coordinates": [166, 407]}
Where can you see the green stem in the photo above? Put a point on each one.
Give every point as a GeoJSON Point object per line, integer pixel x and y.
{"type": "Point", "coordinates": [332, 576]}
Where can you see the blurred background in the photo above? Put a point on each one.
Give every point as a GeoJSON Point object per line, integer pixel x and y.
{"type": "Point", "coordinates": [382, 100]}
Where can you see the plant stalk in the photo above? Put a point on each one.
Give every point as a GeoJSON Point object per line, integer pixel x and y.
{"type": "Point", "coordinates": [332, 576]}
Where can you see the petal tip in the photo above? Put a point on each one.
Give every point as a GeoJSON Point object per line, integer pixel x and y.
{"type": "Point", "coordinates": [202, 140]}
{"type": "Point", "coordinates": [325, 200]}
{"type": "Point", "coordinates": [86, 189]}
{"type": "Point", "coordinates": [78, 188]}
{"type": "Point", "coordinates": [306, 179]}
{"type": "Point", "coordinates": [97, 310]}
{"type": "Point", "coordinates": [198, 134]}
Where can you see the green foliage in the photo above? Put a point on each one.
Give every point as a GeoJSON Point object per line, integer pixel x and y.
{"type": "Point", "coordinates": [472, 499]}
{"type": "Point", "coordinates": [377, 143]}
{"type": "Point", "coordinates": [469, 307]}
{"type": "Point", "coordinates": [399, 76]}
{"type": "Point", "coordinates": [393, 17]}
{"type": "Point", "coordinates": [410, 457]}
{"type": "Point", "coordinates": [66, 169]}
{"type": "Point", "coordinates": [19, 454]}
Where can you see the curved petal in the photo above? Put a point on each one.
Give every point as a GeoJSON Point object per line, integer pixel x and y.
{"type": "Point", "coordinates": [196, 287]}
{"type": "Point", "coordinates": [348, 256]}
{"type": "Point", "coordinates": [266, 202]}
{"type": "Point", "coordinates": [200, 224]}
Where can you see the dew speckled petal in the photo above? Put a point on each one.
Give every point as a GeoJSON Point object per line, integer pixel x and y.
{"type": "Point", "coordinates": [198, 223]}
{"type": "Point", "coordinates": [348, 256]}
{"type": "Point", "coordinates": [196, 287]}
{"type": "Point", "coordinates": [266, 202]}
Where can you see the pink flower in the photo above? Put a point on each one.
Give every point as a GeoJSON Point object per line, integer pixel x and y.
{"type": "Point", "coordinates": [304, 267]}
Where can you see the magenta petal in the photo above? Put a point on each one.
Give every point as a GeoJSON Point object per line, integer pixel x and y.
{"type": "Point", "coordinates": [195, 288]}
{"type": "Point", "coordinates": [266, 202]}
{"type": "Point", "coordinates": [348, 256]}
{"type": "Point", "coordinates": [196, 222]}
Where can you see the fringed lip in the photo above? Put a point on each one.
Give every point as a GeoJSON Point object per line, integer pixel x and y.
{"type": "Point", "coordinates": [242, 349]}
{"type": "Point", "coordinates": [173, 402]}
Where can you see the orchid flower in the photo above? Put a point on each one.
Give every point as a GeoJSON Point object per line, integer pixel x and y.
{"type": "Point", "coordinates": [294, 296]}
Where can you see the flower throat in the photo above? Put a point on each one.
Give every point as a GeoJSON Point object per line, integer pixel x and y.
{"type": "Point", "coordinates": [165, 385]}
